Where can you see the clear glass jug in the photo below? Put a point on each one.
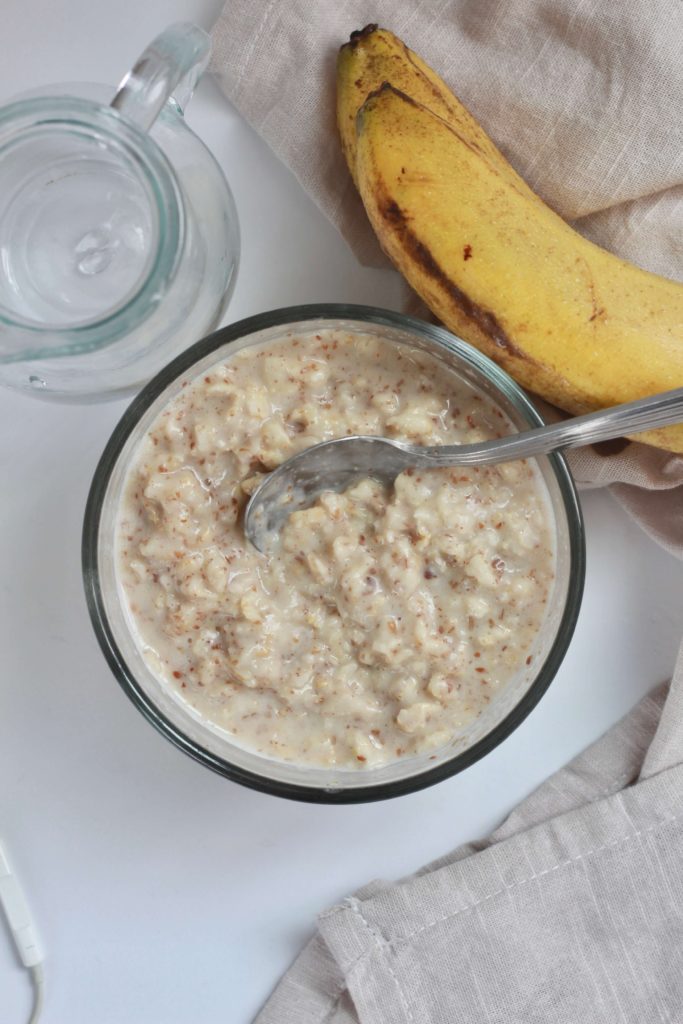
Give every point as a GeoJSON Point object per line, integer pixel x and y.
{"type": "Point", "coordinates": [119, 239]}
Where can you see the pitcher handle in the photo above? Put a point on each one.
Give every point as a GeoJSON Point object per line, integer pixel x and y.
{"type": "Point", "coordinates": [170, 66]}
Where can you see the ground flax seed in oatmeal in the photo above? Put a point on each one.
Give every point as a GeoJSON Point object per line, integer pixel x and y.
{"type": "Point", "coordinates": [384, 621]}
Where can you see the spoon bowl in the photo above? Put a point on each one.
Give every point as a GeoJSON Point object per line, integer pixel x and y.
{"type": "Point", "coordinates": [328, 466]}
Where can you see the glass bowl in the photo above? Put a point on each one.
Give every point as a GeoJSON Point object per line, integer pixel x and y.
{"type": "Point", "coordinates": [213, 747]}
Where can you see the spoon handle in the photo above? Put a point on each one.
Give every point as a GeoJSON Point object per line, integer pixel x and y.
{"type": "Point", "coordinates": [644, 414]}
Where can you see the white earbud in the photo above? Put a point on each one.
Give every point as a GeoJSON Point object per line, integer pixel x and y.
{"type": "Point", "coordinates": [22, 928]}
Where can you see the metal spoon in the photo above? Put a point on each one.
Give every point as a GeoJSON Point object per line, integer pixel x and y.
{"type": "Point", "coordinates": [335, 465]}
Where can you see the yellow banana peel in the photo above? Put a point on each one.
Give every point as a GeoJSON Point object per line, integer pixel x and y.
{"type": "Point", "coordinates": [568, 320]}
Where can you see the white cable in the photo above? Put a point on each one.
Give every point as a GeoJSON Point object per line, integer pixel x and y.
{"type": "Point", "coordinates": [23, 931]}
{"type": "Point", "coordinates": [37, 978]}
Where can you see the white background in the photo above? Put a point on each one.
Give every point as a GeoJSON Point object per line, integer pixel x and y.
{"type": "Point", "coordinates": [165, 894]}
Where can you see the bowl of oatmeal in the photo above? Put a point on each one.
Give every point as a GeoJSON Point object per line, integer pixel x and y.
{"type": "Point", "coordinates": [389, 637]}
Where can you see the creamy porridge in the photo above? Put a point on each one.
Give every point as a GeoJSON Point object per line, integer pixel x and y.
{"type": "Point", "coordinates": [383, 621]}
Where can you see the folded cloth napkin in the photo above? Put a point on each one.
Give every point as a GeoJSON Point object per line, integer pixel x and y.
{"type": "Point", "coordinates": [572, 911]}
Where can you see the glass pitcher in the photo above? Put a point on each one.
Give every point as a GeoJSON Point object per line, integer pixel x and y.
{"type": "Point", "coordinates": [119, 239]}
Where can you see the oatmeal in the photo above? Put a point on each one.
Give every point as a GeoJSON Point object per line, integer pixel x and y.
{"type": "Point", "coordinates": [383, 621]}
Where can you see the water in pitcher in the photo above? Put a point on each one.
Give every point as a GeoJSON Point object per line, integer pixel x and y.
{"type": "Point", "coordinates": [77, 234]}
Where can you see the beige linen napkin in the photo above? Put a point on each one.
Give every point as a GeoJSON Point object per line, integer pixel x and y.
{"type": "Point", "coordinates": [572, 911]}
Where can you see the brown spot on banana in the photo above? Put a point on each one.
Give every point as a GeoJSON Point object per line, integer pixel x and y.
{"type": "Point", "coordinates": [596, 311]}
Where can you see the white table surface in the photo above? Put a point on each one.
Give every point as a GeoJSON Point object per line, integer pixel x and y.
{"type": "Point", "coordinates": [165, 894]}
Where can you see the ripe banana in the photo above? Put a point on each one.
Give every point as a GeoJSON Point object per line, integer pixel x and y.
{"type": "Point", "coordinates": [565, 318]}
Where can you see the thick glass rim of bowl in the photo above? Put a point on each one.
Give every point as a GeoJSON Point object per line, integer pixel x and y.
{"type": "Point", "coordinates": [212, 747]}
